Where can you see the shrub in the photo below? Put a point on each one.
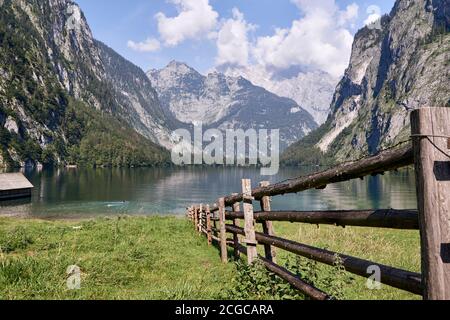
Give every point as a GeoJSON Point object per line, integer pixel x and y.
{"type": "Point", "coordinates": [255, 282]}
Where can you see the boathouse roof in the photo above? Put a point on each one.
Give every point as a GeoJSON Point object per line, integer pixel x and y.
{"type": "Point", "coordinates": [14, 181]}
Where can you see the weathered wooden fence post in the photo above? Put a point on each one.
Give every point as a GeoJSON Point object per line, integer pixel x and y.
{"type": "Point", "coordinates": [431, 131]}
{"type": "Point", "coordinates": [223, 232]}
{"type": "Point", "coordinates": [208, 225]}
{"type": "Point", "coordinates": [250, 235]}
{"type": "Point", "coordinates": [200, 219]}
{"type": "Point", "coordinates": [236, 208]}
{"type": "Point", "coordinates": [196, 218]}
{"type": "Point", "coordinates": [268, 225]}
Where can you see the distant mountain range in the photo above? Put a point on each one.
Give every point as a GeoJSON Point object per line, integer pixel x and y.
{"type": "Point", "coordinates": [311, 89]}
{"type": "Point", "coordinates": [226, 102]}
{"type": "Point", "coordinates": [393, 69]}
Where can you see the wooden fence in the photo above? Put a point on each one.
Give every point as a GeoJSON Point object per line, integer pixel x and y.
{"type": "Point", "coordinates": [429, 153]}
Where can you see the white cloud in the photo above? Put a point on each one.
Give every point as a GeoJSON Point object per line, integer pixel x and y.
{"type": "Point", "coordinates": [349, 15]}
{"type": "Point", "coordinates": [196, 19]}
{"type": "Point", "coordinates": [319, 39]}
{"type": "Point", "coordinates": [149, 45]}
{"type": "Point", "coordinates": [233, 47]}
{"type": "Point", "coordinates": [372, 19]}
{"type": "Point", "coordinates": [374, 13]}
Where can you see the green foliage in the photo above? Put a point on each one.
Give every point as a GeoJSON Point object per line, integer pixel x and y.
{"type": "Point", "coordinates": [256, 282]}
{"type": "Point", "coordinates": [305, 152]}
{"type": "Point", "coordinates": [96, 139]}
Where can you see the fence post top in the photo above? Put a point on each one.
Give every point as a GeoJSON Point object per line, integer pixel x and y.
{"type": "Point", "coordinates": [264, 183]}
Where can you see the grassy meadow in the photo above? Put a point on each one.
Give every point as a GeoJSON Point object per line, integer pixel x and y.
{"type": "Point", "coordinates": [163, 258]}
{"type": "Point", "coordinates": [397, 248]}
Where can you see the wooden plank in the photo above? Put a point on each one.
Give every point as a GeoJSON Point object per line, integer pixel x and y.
{"type": "Point", "coordinates": [208, 225]}
{"type": "Point", "coordinates": [401, 279]}
{"type": "Point", "coordinates": [388, 160]}
{"type": "Point", "coordinates": [268, 225]}
{"type": "Point", "coordinates": [223, 232]}
{"type": "Point", "coordinates": [390, 218]}
{"type": "Point", "coordinates": [430, 127]}
{"type": "Point", "coordinates": [249, 224]}
{"type": "Point", "coordinates": [236, 208]}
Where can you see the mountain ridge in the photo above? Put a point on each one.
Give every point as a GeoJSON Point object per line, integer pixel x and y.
{"type": "Point", "coordinates": [225, 102]}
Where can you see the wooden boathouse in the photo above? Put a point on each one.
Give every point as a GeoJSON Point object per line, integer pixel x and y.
{"type": "Point", "coordinates": [14, 186]}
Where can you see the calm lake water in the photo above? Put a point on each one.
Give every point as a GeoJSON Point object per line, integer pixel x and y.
{"type": "Point", "coordinates": [72, 193]}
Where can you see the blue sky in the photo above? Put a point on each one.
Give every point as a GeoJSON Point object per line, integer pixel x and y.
{"type": "Point", "coordinates": [117, 22]}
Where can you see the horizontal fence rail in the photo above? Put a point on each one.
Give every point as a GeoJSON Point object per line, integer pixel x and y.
{"type": "Point", "coordinates": [393, 219]}
{"type": "Point", "coordinates": [388, 160]}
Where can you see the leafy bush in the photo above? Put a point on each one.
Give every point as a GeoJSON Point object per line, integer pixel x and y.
{"type": "Point", "coordinates": [255, 282]}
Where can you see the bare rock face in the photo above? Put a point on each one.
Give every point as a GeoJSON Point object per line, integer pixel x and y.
{"type": "Point", "coordinates": [401, 66]}
{"type": "Point", "coordinates": [11, 125]}
{"type": "Point", "coordinates": [313, 90]}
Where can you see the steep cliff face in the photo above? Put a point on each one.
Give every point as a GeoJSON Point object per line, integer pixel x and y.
{"type": "Point", "coordinates": [226, 102]}
{"type": "Point", "coordinates": [134, 91]}
{"type": "Point", "coordinates": [311, 89]}
{"type": "Point", "coordinates": [393, 69]}
{"type": "Point", "coordinates": [53, 74]}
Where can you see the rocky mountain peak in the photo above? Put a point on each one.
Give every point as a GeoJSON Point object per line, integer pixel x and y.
{"type": "Point", "coordinates": [227, 102]}
{"type": "Point", "coordinates": [180, 68]}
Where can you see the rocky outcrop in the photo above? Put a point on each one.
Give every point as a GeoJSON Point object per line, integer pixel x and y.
{"type": "Point", "coordinates": [393, 69]}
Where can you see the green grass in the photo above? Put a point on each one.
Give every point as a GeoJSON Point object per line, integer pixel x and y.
{"type": "Point", "coordinates": [397, 248]}
{"type": "Point", "coordinates": [128, 258]}
{"type": "Point", "coordinates": [164, 258]}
